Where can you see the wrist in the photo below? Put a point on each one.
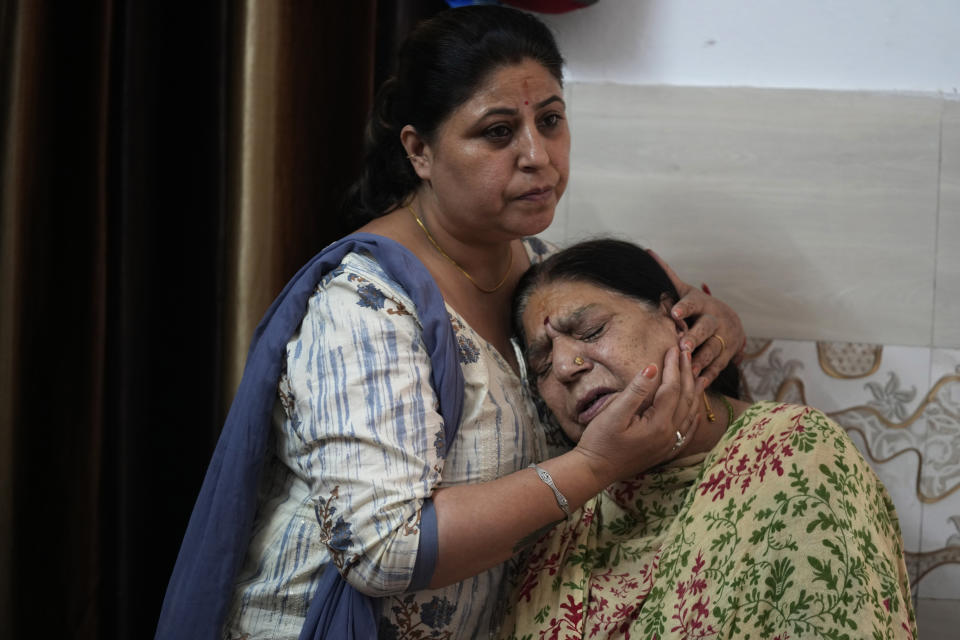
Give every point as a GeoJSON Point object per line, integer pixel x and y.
{"type": "Point", "coordinates": [592, 471]}
{"type": "Point", "coordinates": [573, 478]}
{"type": "Point", "coordinates": [547, 479]}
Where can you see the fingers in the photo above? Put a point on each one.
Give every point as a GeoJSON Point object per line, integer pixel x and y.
{"type": "Point", "coordinates": [685, 417]}
{"type": "Point", "coordinates": [611, 443]}
{"type": "Point", "coordinates": [712, 317]}
{"type": "Point", "coordinates": [710, 373]}
{"type": "Point", "coordinates": [697, 339]}
{"type": "Point", "coordinates": [625, 405]}
{"type": "Point", "coordinates": [671, 409]}
{"type": "Point", "coordinates": [715, 319]}
{"type": "Point", "coordinates": [682, 413]}
{"type": "Point", "coordinates": [692, 303]}
{"type": "Point", "coordinates": [681, 286]}
{"type": "Point", "coordinates": [667, 397]}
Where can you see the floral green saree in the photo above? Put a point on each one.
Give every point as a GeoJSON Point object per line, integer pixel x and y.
{"type": "Point", "coordinates": [781, 531]}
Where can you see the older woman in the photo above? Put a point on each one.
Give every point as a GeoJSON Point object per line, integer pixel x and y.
{"type": "Point", "coordinates": [769, 524]}
{"type": "Point", "coordinates": [375, 470]}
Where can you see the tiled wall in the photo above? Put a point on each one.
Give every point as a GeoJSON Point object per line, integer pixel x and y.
{"type": "Point", "coordinates": [819, 215]}
{"type": "Point", "coordinates": [831, 222]}
{"type": "Point", "coordinates": [901, 406]}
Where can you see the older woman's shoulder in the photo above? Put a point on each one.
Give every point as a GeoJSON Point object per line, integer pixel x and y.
{"type": "Point", "coordinates": [791, 425]}
{"type": "Point", "coordinates": [785, 410]}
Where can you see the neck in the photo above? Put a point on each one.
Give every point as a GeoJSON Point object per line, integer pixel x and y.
{"type": "Point", "coordinates": [725, 411]}
{"type": "Point", "coordinates": [489, 265]}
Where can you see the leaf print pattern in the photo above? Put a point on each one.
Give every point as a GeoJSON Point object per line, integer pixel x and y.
{"type": "Point", "coordinates": [539, 247]}
{"type": "Point", "coordinates": [336, 534]}
{"type": "Point", "coordinates": [782, 531]}
{"type": "Point", "coordinates": [330, 276]}
{"type": "Point", "coordinates": [437, 613]}
{"type": "Point", "coordinates": [415, 621]}
{"type": "Point", "coordinates": [372, 297]}
{"type": "Point", "coordinates": [469, 352]}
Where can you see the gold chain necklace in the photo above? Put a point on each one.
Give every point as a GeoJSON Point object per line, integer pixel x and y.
{"type": "Point", "coordinates": [454, 262]}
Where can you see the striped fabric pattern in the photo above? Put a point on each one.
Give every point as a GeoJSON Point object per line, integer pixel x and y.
{"type": "Point", "coordinates": [357, 445]}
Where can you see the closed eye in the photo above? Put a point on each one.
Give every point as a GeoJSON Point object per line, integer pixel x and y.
{"type": "Point", "coordinates": [592, 334]}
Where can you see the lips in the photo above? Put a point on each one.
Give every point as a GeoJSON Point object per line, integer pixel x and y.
{"type": "Point", "coordinates": [540, 193]}
{"type": "Point", "coordinates": [592, 403]}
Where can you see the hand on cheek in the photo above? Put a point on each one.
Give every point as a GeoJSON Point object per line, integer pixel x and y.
{"type": "Point", "coordinates": [623, 441]}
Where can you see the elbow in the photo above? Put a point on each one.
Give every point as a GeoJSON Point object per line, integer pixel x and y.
{"type": "Point", "coordinates": [379, 583]}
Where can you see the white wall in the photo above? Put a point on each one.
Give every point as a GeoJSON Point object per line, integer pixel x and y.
{"type": "Point", "coordinates": [880, 45]}
{"type": "Point", "coordinates": [818, 215]}
{"type": "Point", "coordinates": [767, 146]}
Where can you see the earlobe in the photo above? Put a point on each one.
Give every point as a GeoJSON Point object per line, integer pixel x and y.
{"type": "Point", "coordinates": [418, 151]}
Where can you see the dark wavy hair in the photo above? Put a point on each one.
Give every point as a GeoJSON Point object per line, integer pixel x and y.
{"type": "Point", "coordinates": [439, 66]}
{"type": "Point", "coordinates": [616, 266]}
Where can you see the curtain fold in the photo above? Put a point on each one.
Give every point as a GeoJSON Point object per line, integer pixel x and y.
{"type": "Point", "coordinates": [304, 78]}
{"type": "Point", "coordinates": [53, 314]}
{"type": "Point", "coordinates": [164, 171]}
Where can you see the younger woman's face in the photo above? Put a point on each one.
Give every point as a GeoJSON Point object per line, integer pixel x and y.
{"type": "Point", "coordinates": [586, 343]}
{"type": "Point", "coordinates": [499, 163]}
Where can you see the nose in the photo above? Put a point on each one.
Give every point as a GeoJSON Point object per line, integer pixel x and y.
{"type": "Point", "coordinates": [533, 153]}
{"type": "Point", "coordinates": [568, 362]}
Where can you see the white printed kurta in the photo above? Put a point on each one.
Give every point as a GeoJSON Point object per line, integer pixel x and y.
{"type": "Point", "coordinates": [356, 442]}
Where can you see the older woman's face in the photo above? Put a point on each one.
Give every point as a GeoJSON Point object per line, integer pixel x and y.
{"type": "Point", "coordinates": [586, 343]}
{"type": "Point", "coordinates": [499, 163]}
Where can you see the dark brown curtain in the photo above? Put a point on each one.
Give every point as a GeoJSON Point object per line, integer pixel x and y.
{"type": "Point", "coordinates": [164, 169]}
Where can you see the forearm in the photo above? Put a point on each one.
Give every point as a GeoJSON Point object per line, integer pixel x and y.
{"type": "Point", "coordinates": [481, 525]}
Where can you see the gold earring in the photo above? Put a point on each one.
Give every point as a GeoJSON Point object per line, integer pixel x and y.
{"type": "Point", "coordinates": [706, 403]}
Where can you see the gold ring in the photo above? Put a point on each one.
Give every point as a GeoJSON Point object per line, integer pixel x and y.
{"type": "Point", "coordinates": [723, 344]}
{"type": "Point", "coordinates": [578, 361]}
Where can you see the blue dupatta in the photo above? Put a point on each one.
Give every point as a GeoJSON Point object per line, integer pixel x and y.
{"type": "Point", "coordinates": [218, 533]}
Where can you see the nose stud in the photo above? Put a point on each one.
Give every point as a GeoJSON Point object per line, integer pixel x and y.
{"type": "Point", "coordinates": [578, 361]}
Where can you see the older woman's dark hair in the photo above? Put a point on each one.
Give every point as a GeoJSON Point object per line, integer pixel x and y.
{"type": "Point", "coordinates": [617, 266]}
{"type": "Point", "coordinates": [439, 66]}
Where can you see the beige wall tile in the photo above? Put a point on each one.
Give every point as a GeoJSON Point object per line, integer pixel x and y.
{"type": "Point", "coordinates": [946, 328]}
{"type": "Point", "coordinates": [937, 619]}
{"type": "Point", "coordinates": [813, 213]}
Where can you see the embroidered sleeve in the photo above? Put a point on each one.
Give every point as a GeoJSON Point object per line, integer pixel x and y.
{"type": "Point", "coordinates": [362, 427]}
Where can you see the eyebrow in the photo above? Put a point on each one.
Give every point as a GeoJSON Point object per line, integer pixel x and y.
{"type": "Point", "coordinates": [507, 111]}
{"type": "Point", "coordinates": [566, 324]}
